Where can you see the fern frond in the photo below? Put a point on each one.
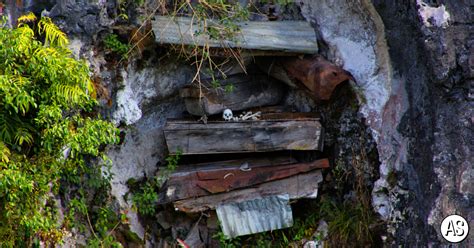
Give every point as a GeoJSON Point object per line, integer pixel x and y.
{"type": "Point", "coordinates": [22, 135]}
{"type": "Point", "coordinates": [7, 128]}
{"type": "Point", "coordinates": [30, 17]}
{"type": "Point", "coordinates": [14, 130]}
{"type": "Point", "coordinates": [14, 94]}
{"type": "Point", "coordinates": [70, 94]}
{"type": "Point", "coordinates": [54, 36]}
{"type": "Point", "coordinates": [91, 89]}
{"type": "Point", "coordinates": [25, 38]}
{"type": "Point", "coordinates": [4, 153]}
{"type": "Point", "coordinates": [45, 52]}
{"type": "Point", "coordinates": [48, 115]}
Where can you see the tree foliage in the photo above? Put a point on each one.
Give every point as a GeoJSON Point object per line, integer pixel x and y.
{"type": "Point", "coordinates": [45, 133]}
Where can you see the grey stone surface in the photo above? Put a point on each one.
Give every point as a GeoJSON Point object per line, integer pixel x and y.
{"type": "Point", "coordinates": [77, 17]}
{"type": "Point", "coordinates": [146, 97]}
{"type": "Point", "coordinates": [142, 88]}
{"type": "Point", "coordinates": [431, 54]}
{"type": "Point", "coordinates": [143, 148]}
{"type": "Point", "coordinates": [414, 99]}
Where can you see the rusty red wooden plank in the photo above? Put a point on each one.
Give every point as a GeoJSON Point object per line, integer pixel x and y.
{"type": "Point", "coordinates": [183, 182]}
{"type": "Point", "coordinates": [227, 180]}
{"type": "Point", "coordinates": [303, 185]}
{"type": "Point", "coordinates": [195, 183]}
{"type": "Point", "coordinates": [315, 75]}
{"type": "Point", "coordinates": [318, 75]}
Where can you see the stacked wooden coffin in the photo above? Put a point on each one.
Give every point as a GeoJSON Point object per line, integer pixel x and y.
{"type": "Point", "coordinates": [264, 169]}
{"type": "Point", "coordinates": [260, 146]}
{"type": "Point", "coordinates": [252, 170]}
{"type": "Point", "coordinates": [256, 173]}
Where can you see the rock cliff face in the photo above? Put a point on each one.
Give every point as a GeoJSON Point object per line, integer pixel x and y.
{"type": "Point", "coordinates": [414, 66]}
{"type": "Point", "coordinates": [414, 63]}
{"type": "Point", "coordinates": [431, 49]}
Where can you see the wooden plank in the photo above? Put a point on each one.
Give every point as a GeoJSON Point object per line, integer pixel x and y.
{"type": "Point", "coordinates": [194, 183]}
{"type": "Point", "coordinates": [299, 186]}
{"type": "Point", "coordinates": [244, 54]}
{"type": "Point", "coordinates": [248, 92]}
{"type": "Point", "coordinates": [175, 189]}
{"type": "Point", "coordinates": [227, 180]}
{"type": "Point", "coordinates": [286, 36]}
{"type": "Point", "coordinates": [233, 164]}
{"type": "Point", "coordinates": [191, 137]}
{"type": "Point", "coordinates": [292, 116]}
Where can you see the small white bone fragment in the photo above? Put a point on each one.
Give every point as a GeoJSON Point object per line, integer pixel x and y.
{"type": "Point", "coordinates": [228, 175]}
{"type": "Point", "coordinates": [246, 115]}
{"type": "Point", "coordinates": [203, 119]}
{"type": "Point", "coordinates": [249, 115]}
{"type": "Point", "coordinates": [245, 167]}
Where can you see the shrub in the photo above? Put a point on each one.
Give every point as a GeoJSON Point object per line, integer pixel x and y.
{"type": "Point", "coordinates": [112, 43]}
{"type": "Point", "coordinates": [44, 132]}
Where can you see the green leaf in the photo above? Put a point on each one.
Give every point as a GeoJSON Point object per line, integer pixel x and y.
{"type": "Point", "coordinates": [45, 101]}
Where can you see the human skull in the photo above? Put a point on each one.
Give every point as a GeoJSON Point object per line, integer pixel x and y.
{"type": "Point", "coordinates": [227, 115]}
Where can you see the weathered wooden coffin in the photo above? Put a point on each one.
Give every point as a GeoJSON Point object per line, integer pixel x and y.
{"type": "Point", "coordinates": [247, 92]}
{"type": "Point", "coordinates": [218, 177]}
{"type": "Point", "coordinates": [316, 75]}
{"type": "Point", "coordinates": [298, 186]}
{"type": "Point", "coordinates": [287, 36]}
{"type": "Point", "coordinates": [191, 137]}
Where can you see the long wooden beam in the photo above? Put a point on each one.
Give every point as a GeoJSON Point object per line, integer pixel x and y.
{"type": "Point", "coordinates": [249, 172]}
{"type": "Point", "coordinates": [191, 137]}
{"type": "Point", "coordinates": [298, 186]}
{"type": "Point", "coordinates": [285, 36]}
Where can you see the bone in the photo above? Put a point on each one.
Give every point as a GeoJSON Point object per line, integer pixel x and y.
{"type": "Point", "coordinates": [249, 115]}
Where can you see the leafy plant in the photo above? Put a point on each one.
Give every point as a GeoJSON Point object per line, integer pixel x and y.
{"type": "Point", "coordinates": [123, 10]}
{"type": "Point", "coordinates": [349, 222]}
{"type": "Point", "coordinates": [45, 135]}
{"type": "Point", "coordinates": [229, 88]}
{"type": "Point", "coordinates": [125, 5]}
{"type": "Point", "coordinates": [105, 224]}
{"type": "Point", "coordinates": [146, 199]}
{"type": "Point", "coordinates": [112, 43]}
{"type": "Point", "coordinates": [225, 241]}
{"type": "Point", "coordinates": [216, 85]}
{"type": "Point", "coordinates": [303, 229]}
